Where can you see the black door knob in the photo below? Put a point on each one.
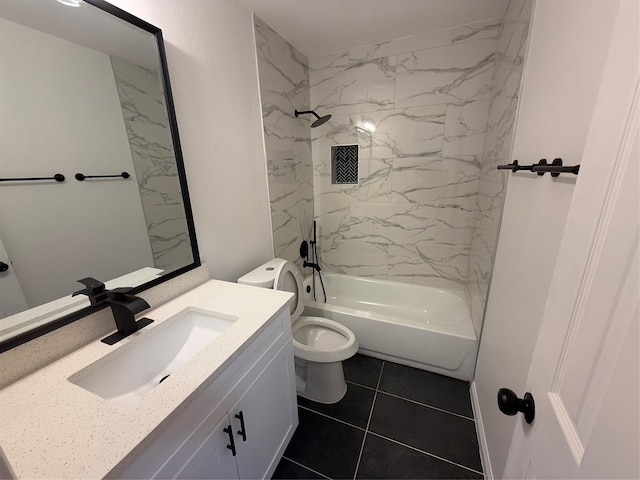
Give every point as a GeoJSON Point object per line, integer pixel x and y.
{"type": "Point", "coordinates": [510, 404]}
{"type": "Point", "coordinates": [3, 267]}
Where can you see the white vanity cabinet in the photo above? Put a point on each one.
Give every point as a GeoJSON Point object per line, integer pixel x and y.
{"type": "Point", "coordinates": [237, 426]}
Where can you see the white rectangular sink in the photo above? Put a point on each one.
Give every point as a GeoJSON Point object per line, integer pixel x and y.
{"type": "Point", "coordinates": [134, 369]}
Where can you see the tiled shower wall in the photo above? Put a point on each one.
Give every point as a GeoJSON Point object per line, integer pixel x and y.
{"type": "Point", "coordinates": [433, 115]}
{"type": "Point", "coordinates": [510, 56]}
{"type": "Point", "coordinates": [418, 109]}
{"type": "Point", "coordinates": [284, 87]}
{"type": "Point", "coordinates": [147, 125]}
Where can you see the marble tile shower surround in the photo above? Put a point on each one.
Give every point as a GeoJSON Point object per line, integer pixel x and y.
{"type": "Point", "coordinates": [510, 57]}
{"type": "Point", "coordinates": [147, 126]}
{"type": "Point", "coordinates": [427, 99]}
{"type": "Point", "coordinates": [284, 87]}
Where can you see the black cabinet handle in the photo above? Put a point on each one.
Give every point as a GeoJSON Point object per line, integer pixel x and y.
{"type": "Point", "coordinates": [3, 267]}
{"type": "Point", "coordinates": [242, 431]}
{"type": "Point", "coordinates": [510, 404]}
{"type": "Point", "coordinates": [231, 447]}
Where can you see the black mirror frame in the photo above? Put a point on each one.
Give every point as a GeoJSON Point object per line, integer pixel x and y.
{"type": "Point", "coordinates": [173, 126]}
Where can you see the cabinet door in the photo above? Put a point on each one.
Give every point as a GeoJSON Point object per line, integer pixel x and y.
{"type": "Point", "coordinates": [269, 413]}
{"type": "Point", "coordinates": [207, 456]}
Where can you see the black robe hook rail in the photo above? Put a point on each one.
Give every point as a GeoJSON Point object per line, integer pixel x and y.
{"type": "Point", "coordinates": [58, 177]}
{"type": "Point", "coordinates": [555, 169]}
{"type": "Point", "coordinates": [80, 177]}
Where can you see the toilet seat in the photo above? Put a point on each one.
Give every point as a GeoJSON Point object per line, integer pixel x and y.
{"type": "Point", "coordinates": [322, 340]}
{"type": "Point", "coordinates": [288, 279]}
{"type": "Point", "coordinates": [315, 339]}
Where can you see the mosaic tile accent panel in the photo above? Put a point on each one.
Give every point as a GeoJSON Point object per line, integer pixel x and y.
{"type": "Point", "coordinates": [344, 164]}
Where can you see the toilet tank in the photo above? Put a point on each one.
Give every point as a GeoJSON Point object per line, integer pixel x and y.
{"type": "Point", "coordinates": [263, 276]}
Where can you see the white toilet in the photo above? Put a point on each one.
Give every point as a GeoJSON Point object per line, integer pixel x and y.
{"type": "Point", "coordinates": [319, 345]}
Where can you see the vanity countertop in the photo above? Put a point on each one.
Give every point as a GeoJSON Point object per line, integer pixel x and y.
{"type": "Point", "coordinates": [51, 428]}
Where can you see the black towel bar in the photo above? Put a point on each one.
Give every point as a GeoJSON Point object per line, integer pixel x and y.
{"type": "Point", "coordinates": [81, 177]}
{"type": "Point", "coordinates": [58, 177]}
{"type": "Point", "coordinates": [542, 167]}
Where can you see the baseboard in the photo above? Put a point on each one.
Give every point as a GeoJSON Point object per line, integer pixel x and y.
{"type": "Point", "coordinates": [484, 450]}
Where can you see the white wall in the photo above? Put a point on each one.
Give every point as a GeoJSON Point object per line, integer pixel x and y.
{"type": "Point", "coordinates": [567, 51]}
{"type": "Point", "coordinates": [212, 65]}
{"type": "Point", "coordinates": [60, 113]}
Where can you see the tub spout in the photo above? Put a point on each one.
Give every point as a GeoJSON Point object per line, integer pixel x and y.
{"type": "Point", "coordinates": [315, 266]}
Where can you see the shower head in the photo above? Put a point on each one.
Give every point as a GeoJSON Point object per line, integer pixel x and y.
{"type": "Point", "coordinates": [320, 120]}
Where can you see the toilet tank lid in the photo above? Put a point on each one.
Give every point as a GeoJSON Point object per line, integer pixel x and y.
{"type": "Point", "coordinates": [264, 275]}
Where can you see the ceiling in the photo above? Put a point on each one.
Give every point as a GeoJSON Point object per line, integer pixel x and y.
{"type": "Point", "coordinates": [317, 27]}
{"type": "Point", "coordinates": [87, 26]}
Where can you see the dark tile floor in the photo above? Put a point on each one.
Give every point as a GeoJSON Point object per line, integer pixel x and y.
{"type": "Point", "coordinates": [394, 422]}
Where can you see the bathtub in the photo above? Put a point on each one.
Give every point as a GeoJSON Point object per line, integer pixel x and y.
{"type": "Point", "coordinates": [423, 327]}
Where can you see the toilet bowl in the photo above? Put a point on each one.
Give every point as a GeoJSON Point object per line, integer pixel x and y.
{"type": "Point", "coordinates": [319, 345]}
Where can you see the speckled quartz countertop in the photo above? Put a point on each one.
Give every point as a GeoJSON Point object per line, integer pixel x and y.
{"type": "Point", "coordinates": [51, 428]}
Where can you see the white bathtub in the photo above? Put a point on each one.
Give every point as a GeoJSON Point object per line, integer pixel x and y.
{"type": "Point", "coordinates": [423, 327]}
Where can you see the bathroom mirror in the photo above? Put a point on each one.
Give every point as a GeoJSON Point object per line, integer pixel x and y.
{"type": "Point", "coordinates": [84, 95]}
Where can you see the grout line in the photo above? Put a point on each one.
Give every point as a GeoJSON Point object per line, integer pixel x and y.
{"type": "Point", "coordinates": [304, 466]}
{"type": "Point", "coordinates": [428, 406]}
{"type": "Point", "coordinates": [412, 401]}
{"type": "Point", "coordinates": [330, 417]}
{"type": "Point", "coordinates": [364, 439]}
{"type": "Point", "coordinates": [427, 453]}
{"type": "Point", "coordinates": [360, 385]}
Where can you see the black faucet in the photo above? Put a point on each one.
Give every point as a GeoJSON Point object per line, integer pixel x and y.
{"type": "Point", "coordinates": [123, 305]}
{"type": "Point", "coordinates": [315, 266]}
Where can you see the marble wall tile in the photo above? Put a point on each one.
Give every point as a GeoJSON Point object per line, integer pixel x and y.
{"type": "Point", "coordinates": [147, 125]}
{"type": "Point", "coordinates": [337, 131]}
{"type": "Point", "coordinates": [333, 228]}
{"type": "Point", "coordinates": [284, 87]}
{"type": "Point", "coordinates": [402, 45]}
{"type": "Point", "coordinates": [330, 60]}
{"type": "Point", "coordinates": [454, 74]}
{"type": "Point", "coordinates": [356, 87]}
{"type": "Point", "coordinates": [432, 115]}
{"type": "Point", "coordinates": [510, 54]}
{"type": "Point", "coordinates": [410, 43]}
{"type": "Point", "coordinates": [428, 265]}
{"type": "Point", "coordinates": [394, 224]}
{"type": "Point", "coordinates": [357, 257]}
{"type": "Point", "coordinates": [488, 29]}
{"type": "Point", "coordinates": [434, 181]}
{"type": "Point", "coordinates": [290, 181]}
{"type": "Point", "coordinates": [420, 153]}
{"type": "Point", "coordinates": [268, 40]}
{"type": "Point", "coordinates": [374, 184]}
{"type": "Point", "coordinates": [409, 132]}
{"type": "Point", "coordinates": [465, 128]}
{"type": "Point", "coordinates": [454, 225]}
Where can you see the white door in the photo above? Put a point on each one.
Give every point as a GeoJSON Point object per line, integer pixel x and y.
{"type": "Point", "coordinates": [584, 372]}
{"type": "Point", "coordinates": [11, 297]}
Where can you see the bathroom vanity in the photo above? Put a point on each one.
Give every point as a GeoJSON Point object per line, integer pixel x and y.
{"type": "Point", "coordinates": [207, 389]}
{"type": "Point", "coordinates": [229, 411]}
